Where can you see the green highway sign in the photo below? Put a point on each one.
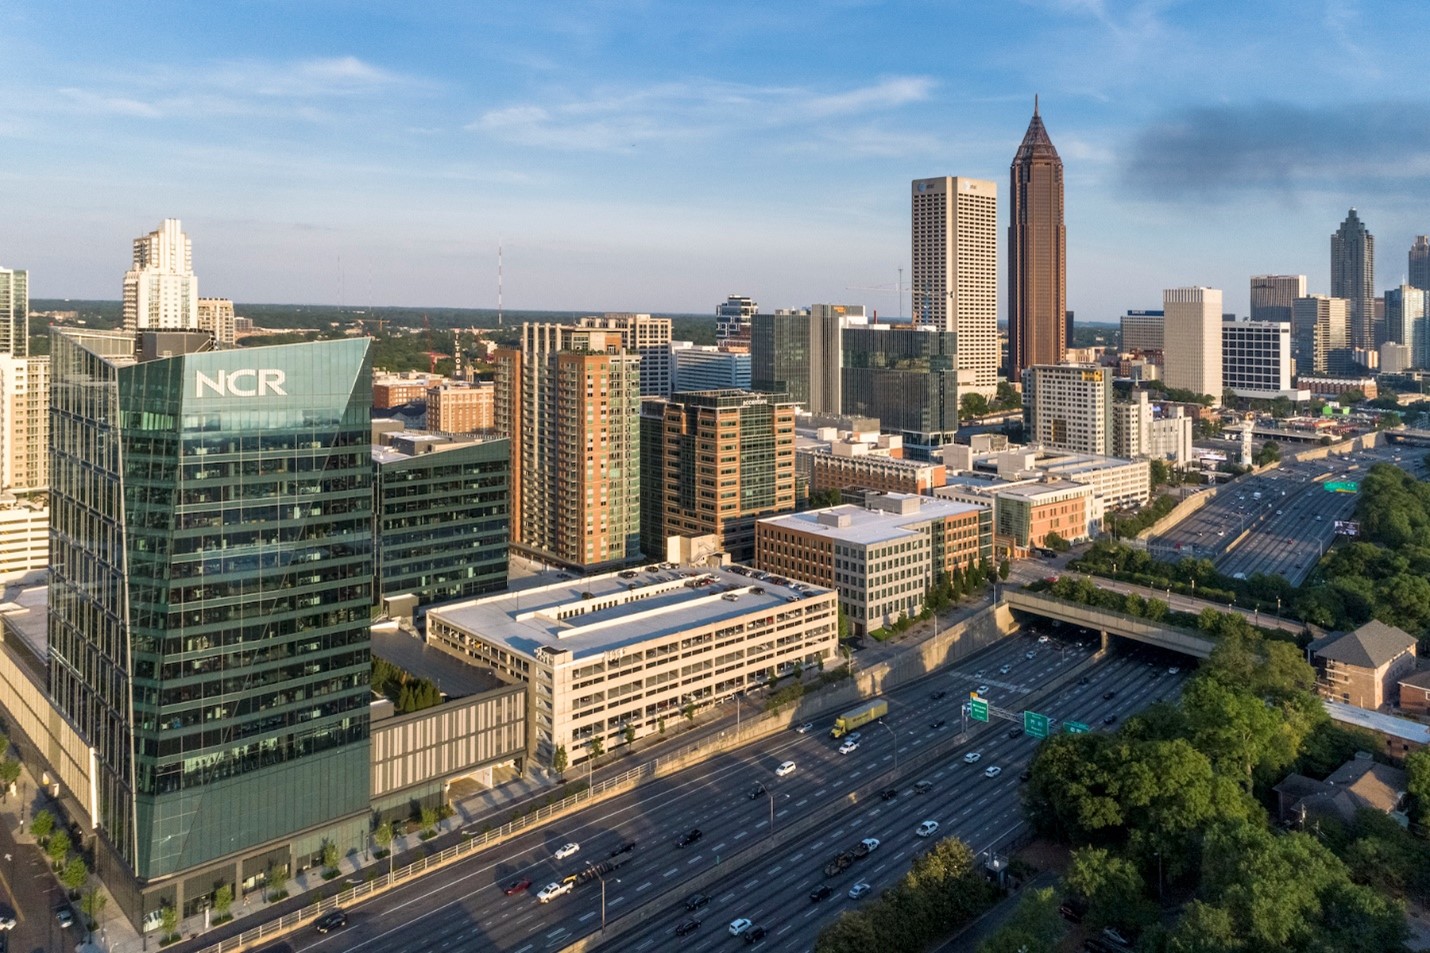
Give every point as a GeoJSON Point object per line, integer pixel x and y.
{"type": "Point", "coordinates": [1035, 724]}
{"type": "Point", "coordinates": [1075, 727]}
{"type": "Point", "coordinates": [978, 708]}
{"type": "Point", "coordinates": [1342, 486]}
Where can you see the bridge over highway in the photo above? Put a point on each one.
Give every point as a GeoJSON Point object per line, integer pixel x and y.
{"type": "Point", "coordinates": [1108, 622]}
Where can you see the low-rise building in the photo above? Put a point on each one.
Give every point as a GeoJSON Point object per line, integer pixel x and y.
{"type": "Point", "coordinates": [1359, 784]}
{"type": "Point", "coordinates": [1025, 514]}
{"type": "Point", "coordinates": [880, 557]}
{"type": "Point", "coordinates": [1336, 386]}
{"type": "Point", "coordinates": [460, 408]}
{"type": "Point", "coordinates": [394, 390]}
{"type": "Point", "coordinates": [1142, 430]}
{"type": "Point", "coordinates": [616, 655]}
{"type": "Point", "coordinates": [24, 535]}
{"type": "Point", "coordinates": [1415, 693]}
{"type": "Point", "coordinates": [1364, 667]}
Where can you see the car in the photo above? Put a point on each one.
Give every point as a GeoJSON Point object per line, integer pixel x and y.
{"type": "Point", "coordinates": [757, 791]}
{"type": "Point", "coordinates": [805, 728]}
{"type": "Point", "coordinates": [754, 935]}
{"type": "Point", "coordinates": [1044, 640]}
{"type": "Point", "coordinates": [992, 771]}
{"type": "Point", "coordinates": [1051, 580]}
{"type": "Point", "coordinates": [553, 890]}
{"type": "Point", "coordinates": [871, 843]}
{"type": "Point", "coordinates": [927, 828]}
{"type": "Point", "coordinates": [1108, 696]}
{"type": "Point", "coordinates": [739, 926]}
{"type": "Point", "coordinates": [1110, 719]}
{"type": "Point", "coordinates": [1174, 670]}
{"type": "Point", "coordinates": [785, 769]}
{"type": "Point", "coordinates": [822, 892]}
{"type": "Point", "coordinates": [1084, 680]}
{"type": "Point", "coordinates": [1005, 670]}
{"type": "Point", "coordinates": [1030, 655]}
{"type": "Point", "coordinates": [888, 794]}
{"type": "Point", "coordinates": [65, 917]}
{"type": "Point", "coordinates": [696, 900]}
{"type": "Point", "coordinates": [972, 757]}
{"type": "Point", "coordinates": [979, 674]}
{"type": "Point", "coordinates": [520, 886]}
{"type": "Point", "coordinates": [923, 787]}
{"type": "Point", "coordinates": [848, 747]}
{"type": "Point", "coordinates": [687, 928]}
{"type": "Point", "coordinates": [1114, 935]}
{"type": "Point", "coordinates": [935, 725]}
{"type": "Point", "coordinates": [333, 920]}
{"type": "Point", "coordinates": [853, 736]}
{"type": "Point", "coordinates": [1015, 732]}
{"type": "Point", "coordinates": [690, 837]}
{"type": "Point", "coordinates": [566, 850]}
{"type": "Point", "coordinates": [981, 690]}
{"type": "Point", "coordinates": [625, 848]}
{"type": "Point", "coordinates": [935, 696]}
{"type": "Point", "coordinates": [859, 890]}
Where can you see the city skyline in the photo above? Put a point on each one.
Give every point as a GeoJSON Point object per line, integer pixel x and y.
{"type": "Point", "coordinates": [363, 156]}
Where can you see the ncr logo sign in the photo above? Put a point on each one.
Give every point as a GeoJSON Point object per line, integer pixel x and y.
{"type": "Point", "coordinates": [247, 382]}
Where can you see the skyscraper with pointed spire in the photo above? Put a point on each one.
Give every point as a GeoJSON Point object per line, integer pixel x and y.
{"type": "Point", "coordinates": [1037, 254]}
{"type": "Point", "coordinates": [1353, 278]}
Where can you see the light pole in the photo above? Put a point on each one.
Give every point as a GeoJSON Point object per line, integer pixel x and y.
{"type": "Point", "coordinates": [602, 878]}
{"type": "Point", "coordinates": [771, 795]}
{"type": "Point", "coordinates": [892, 734]}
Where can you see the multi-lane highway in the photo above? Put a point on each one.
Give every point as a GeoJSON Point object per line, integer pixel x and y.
{"type": "Point", "coordinates": [464, 907]}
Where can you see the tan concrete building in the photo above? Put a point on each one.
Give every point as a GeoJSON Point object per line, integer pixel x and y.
{"type": "Point", "coordinates": [1192, 334]}
{"type": "Point", "coordinates": [216, 317]}
{"type": "Point", "coordinates": [395, 390]}
{"type": "Point", "coordinates": [1068, 407]}
{"type": "Point", "coordinates": [647, 337]}
{"type": "Point", "coordinates": [836, 471]}
{"type": "Point", "coordinates": [460, 408]}
{"type": "Point", "coordinates": [24, 536]}
{"type": "Point", "coordinates": [1364, 667]}
{"type": "Point", "coordinates": [634, 649]}
{"type": "Point", "coordinates": [24, 423]}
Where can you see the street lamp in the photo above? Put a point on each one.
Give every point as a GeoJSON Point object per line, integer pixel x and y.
{"type": "Point", "coordinates": [895, 736]}
{"type": "Point", "coordinates": [602, 878]}
{"type": "Point", "coordinates": [771, 795]}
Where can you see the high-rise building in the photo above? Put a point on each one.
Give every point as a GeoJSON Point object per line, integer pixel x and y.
{"type": "Point", "coordinates": [906, 378]}
{"type": "Point", "coordinates": [1138, 431]}
{"type": "Point", "coordinates": [1144, 332]}
{"type": "Point", "coordinates": [460, 408]}
{"type": "Point", "coordinates": [732, 319]}
{"type": "Point", "coordinates": [955, 271]}
{"type": "Point", "coordinates": [209, 603]}
{"type": "Point", "coordinates": [1256, 359]}
{"type": "Point", "coordinates": [646, 337]}
{"type": "Point", "coordinates": [1068, 407]}
{"type": "Point", "coordinates": [24, 423]}
{"type": "Point", "coordinates": [1273, 295]}
{"type": "Point", "coordinates": [14, 312]}
{"type": "Point", "coordinates": [780, 359]}
{"type": "Point", "coordinates": [708, 367]}
{"type": "Point", "coordinates": [1037, 253]}
{"type": "Point", "coordinates": [1353, 278]}
{"type": "Point", "coordinates": [1419, 275]}
{"type": "Point", "coordinates": [160, 290]}
{"type": "Point", "coordinates": [1193, 339]}
{"type": "Point", "coordinates": [569, 400]}
{"type": "Point", "coordinates": [216, 317]}
{"type": "Point", "coordinates": [714, 462]}
{"type": "Point", "coordinates": [1319, 332]}
{"type": "Point", "coordinates": [1405, 322]}
{"type": "Point", "coordinates": [826, 354]}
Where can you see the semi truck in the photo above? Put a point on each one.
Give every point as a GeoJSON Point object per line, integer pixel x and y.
{"type": "Point", "coordinates": [857, 717]}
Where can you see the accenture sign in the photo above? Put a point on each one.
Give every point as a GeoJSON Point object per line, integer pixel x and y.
{"type": "Point", "coordinates": [246, 382]}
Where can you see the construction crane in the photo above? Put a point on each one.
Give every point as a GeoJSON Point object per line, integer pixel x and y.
{"type": "Point", "coordinates": [897, 288]}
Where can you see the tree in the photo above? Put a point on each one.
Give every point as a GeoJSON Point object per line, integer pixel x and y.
{"type": "Point", "coordinates": [92, 904]}
{"type": "Point", "coordinates": [42, 823]}
{"type": "Point", "coordinates": [559, 760]}
{"type": "Point", "coordinates": [1004, 569]}
{"type": "Point", "coordinates": [688, 711]}
{"type": "Point", "coordinates": [1160, 473]}
{"type": "Point", "coordinates": [277, 881]}
{"type": "Point", "coordinates": [1034, 925]}
{"type": "Point", "coordinates": [169, 919]}
{"type": "Point", "coordinates": [596, 746]}
{"type": "Point", "coordinates": [429, 820]}
{"type": "Point", "coordinates": [629, 731]}
{"type": "Point", "coordinates": [1281, 407]}
{"type": "Point", "coordinates": [59, 847]}
{"type": "Point", "coordinates": [74, 875]}
{"type": "Point", "coordinates": [1351, 397]}
{"type": "Point", "coordinates": [1417, 771]}
{"type": "Point", "coordinates": [1054, 541]}
{"type": "Point", "coordinates": [1270, 452]}
{"type": "Point", "coordinates": [383, 836]}
{"type": "Point", "coordinates": [972, 404]}
{"type": "Point", "coordinates": [330, 855]}
{"type": "Point", "coordinates": [660, 722]}
{"type": "Point", "coordinates": [9, 772]}
{"type": "Point", "coordinates": [1112, 887]}
{"type": "Point", "coordinates": [223, 899]}
{"type": "Point", "coordinates": [1235, 729]}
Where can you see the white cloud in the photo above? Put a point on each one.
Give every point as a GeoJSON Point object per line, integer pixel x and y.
{"type": "Point", "coordinates": [87, 101]}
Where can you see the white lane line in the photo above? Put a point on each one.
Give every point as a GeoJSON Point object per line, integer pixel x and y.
{"type": "Point", "coordinates": [671, 872]}
{"type": "Point", "coordinates": [587, 916]}
{"type": "Point", "coordinates": [742, 834]}
{"type": "Point", "coordinates": [782, 813]}
{"type": "Point", "coordinates": [616, 901]}
{"type": "Point", "coordinates": [775, 870]}
{"type": "Point", "coordinates": [718, 847]}
{"type": "Point", "coordinates": [644, 886]}
{"type": "Point", "coordinates": [693, 860]}
{"type": "Point", "coordinates": [820, 792]}
{"type": "Point", "coordinates": [728, 897]}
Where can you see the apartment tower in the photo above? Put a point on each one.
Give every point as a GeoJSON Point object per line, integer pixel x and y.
{"type": "Point", "coordinates": [1037, 254]}
{"type": "Point", "coordinates": [1353, 278]}
{"type": "Point", "coordinates": [1192, 334]}
{"type": "Point", "coordinates": [955, 271]}
{"type": "Point", "coordinates": [160, 290]}
{"type": "Point", "coordinates": [1405, 314]}
{"type": "Point", "coordinates": [14, 312]}
{"type": "Point", "coordinates": [1069, 407]}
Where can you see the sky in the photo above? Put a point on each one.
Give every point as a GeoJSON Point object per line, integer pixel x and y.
{"type": "Point", "coordinates": [657, 156]}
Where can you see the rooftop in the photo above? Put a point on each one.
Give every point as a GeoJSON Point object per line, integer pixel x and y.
{"type": "Point", "coordinates": [1389, 725]}
{"type": "Point", "coordinates": [862, 525]}
{"type": "Point", "coordinates": [452, 676]}
{"type": "Point", "coordinates": [1371, 646]}
{"type": "Point", "coordinates": [596, 614]}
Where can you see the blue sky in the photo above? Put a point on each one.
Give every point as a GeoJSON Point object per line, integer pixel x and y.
{"type": "Point", "coordinates": [654, 156]}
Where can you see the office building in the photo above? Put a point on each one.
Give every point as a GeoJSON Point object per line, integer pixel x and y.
{"type": "Point", "coordinates": [1068, 407]}
{"type": "Point", "coordinates": [216, 317]}
{"type": "Point", "coordinates": [955, 272]}
{"type": "Point", "coordinates": [569, 400]}
{"type": "Point", "coordinates": [1139, 431]}
{"type": "Point", "coordinates": [708, 367]}
{"type": "Point", "coordinates": [732, 319]}
{"type": "Point", "coordinates": [646, 337]}
{"type": "Point", "coordinates": [443, 519]}
{"type": "Point", "coordinates": [390, 391]}
{"type": "Point", "coordinates": [460, 408]}
{"type": "Point", "coordinates": [780, 358]}
{"type": "Point", "coordinates": [160, 289]}
{"type": "Point", "coordinates": [1193, 340]}
{"type": "Point", "coordinates": [24, 423]}
{"type": "Point", "coordinates": [826, 354]}
{"type": "Point", "coordinates": [1319, 331]}
{"type": "Point", "coordinates": [1353, 278]}
{"type": "Point", "coordinates": [1419, 274]}
{"type": "Point", "coordinates": [1405, 322]}
{"type": "Point", "coordinates": [1144, 332]}
{"type": "Point", "coordinates": [1024, 515]}
{"type": "Point", "coordinates": [210, 595]}
{"type": "Point", "coordinates": [881, 557]}
{"type": "Point", "coordinates": [1037, 254]}
{"type": "Point", "coordinates": [841, 467]}
{"type": "Point", "coordinates": [908, 379]}
{"type": "Point", "coordinates": [1273, 295]}
{"type": "Point", "coordinates": [14, 312]}
{"type": "Point", "coordinates": [1395, 358]}
{"type": "Point", "coordinates": [714, 462]}
{"type": "Point", "coordinates": [1256, 359]}
{"type": "Point", "coordinates": [634, 651]}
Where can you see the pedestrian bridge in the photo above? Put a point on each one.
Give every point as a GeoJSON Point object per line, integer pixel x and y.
{"type": "Point", "coordinates": [1109, 623]}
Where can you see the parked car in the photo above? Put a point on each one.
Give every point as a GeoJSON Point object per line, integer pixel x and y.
{"type": "Point", "coordinates": [687, 928]}
{"type": "Point", "coordinates": [65, 917]}
{"type": "Point", "coordinates": [859, 890]}
{"type": "Point", "coordinates": [690, 837]}
{"type": "Point", "coordinates": [696, 900]}
{"type": "Point", "coordinates": [784, 769]}
{"type": "Point", "coordinates": [822, 892]}
{"type": "Point", "coordinates": [927, 828]}
{"type": "Point", "coordinates": [333, 920]}
{"type": "Point", "coordinates": [520, 886]}
{"type": "Point", "coordinates": [566, 850]}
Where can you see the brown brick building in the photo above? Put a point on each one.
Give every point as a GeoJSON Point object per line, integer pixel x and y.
{"type": "Point", "coordinates": [1364, 667]}
{"type": "Point", "coordinates": [460, 408]}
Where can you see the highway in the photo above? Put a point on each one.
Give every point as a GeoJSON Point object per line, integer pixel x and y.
{"type": "Point", "coordinates": [463, 907]}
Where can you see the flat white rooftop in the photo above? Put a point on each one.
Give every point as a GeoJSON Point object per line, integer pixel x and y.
{"type": "Point", "coordinates": [864, 525]}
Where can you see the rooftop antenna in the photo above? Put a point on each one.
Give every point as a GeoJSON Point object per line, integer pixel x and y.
{"type": "Point", "coordinates": [499, 279]}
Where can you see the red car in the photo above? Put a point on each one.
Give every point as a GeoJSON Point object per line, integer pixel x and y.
{"type": "Point", "coordinates": [519, 887]}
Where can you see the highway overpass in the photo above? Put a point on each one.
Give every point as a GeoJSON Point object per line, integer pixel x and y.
{"type": "Point", "coordinates": [1108, 622]}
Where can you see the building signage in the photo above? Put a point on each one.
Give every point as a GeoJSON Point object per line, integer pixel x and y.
{"type": "Point", "coordinates": [245, 382]}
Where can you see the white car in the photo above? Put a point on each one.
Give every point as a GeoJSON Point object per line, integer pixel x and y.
{"type": "Point", "coordinates": [993, 771]}
{"type": "Point", "coordinates": [1043, 640]}
{"type": "Point", "coordinates": [553, 890]}
{"type": "Point", "coordinates": [1005, 670]}
{"type": "Point", "coordinates": [982, 690]}
{"type": "Point", "coordinates": [859, 890]}
{"type": "Point", "coordinates": [871, 842]}
{"type": "Point", "coordinates": [927, 828]}
{"type": "Point", "coordinates": [738, 927]}
{"type": "Point", "coordinates": [1030, 655]}
{"type": "Point", "coordinates": [805, 728]}
{"type": "Point", "coordinates": [1173, 670]}
{"type": "Point", "coordinates": [566, 850]}
{"type": "Point", "coordinates": [848, 747]}
{"type": "Point", "coordinates": [972, 757]}
{"type": "Point", "coordinates": [784, 769]}
{"type": "Point", "coordinates": [7, 923]}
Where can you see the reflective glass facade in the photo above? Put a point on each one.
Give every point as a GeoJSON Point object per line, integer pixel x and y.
{"type": "Point", "coordinates": [907, 378]}
{"type": "Point", "coordinates": [211, 584]}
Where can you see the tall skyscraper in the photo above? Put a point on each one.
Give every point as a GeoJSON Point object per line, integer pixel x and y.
{"type": "Point", "coordinates": [1192, 335]}
{"type": "Point", "coordinates": [1319, 335]}
{"type": "Point", "coordinates": [780, 359]}
{"type": "Point", "coordinates": [1037, 253]}
{"type": "Point", "coordinates": [1273, 295]}
{"type": "Point", "coordinates": [955, 271]}
{"type": "Point", "coordinates": [732, 319]}
{"type": "Point", "coordinates": [14, 312]}
{"type": "Point", "coordinates": [570, 402]}
{"type": "Point", "coordinates": [210, 596]}
{"type": "Point", "coordinates": [908, 379]}
{"type": "Point", "coordinates": [1353, 278]}
{"type": "Point", "coordinates": [1420, 263]}
{"type": "Point", "coordinates": [160, 290]}
{"type": "Point", "coordinates": [1405, 322]}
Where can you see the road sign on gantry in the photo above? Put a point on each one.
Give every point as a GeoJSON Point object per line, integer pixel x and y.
{"type": "Point", "coordinates": [1075, 727]}
{"type": "Point", "coordinates": [978, 709]}
{"type": "Point", "coordinates": [1035, 724]}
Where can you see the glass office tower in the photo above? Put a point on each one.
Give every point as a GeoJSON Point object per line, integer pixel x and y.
{"type": "Point", "coordinates": [210, 590]}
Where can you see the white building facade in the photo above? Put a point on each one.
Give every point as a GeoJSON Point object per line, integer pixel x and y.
{"type": "Point", "coordinates": [160, 289]}
{"type": "Point", "coordinates": [1192, 332]}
